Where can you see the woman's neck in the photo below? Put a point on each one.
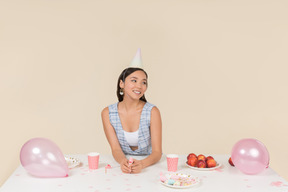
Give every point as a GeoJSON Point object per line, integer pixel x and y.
{"type": "Point", "coordinates": [129, 105]}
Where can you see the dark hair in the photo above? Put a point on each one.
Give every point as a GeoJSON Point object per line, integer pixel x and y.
{"type": "Point", "coordinates": [125, 73]}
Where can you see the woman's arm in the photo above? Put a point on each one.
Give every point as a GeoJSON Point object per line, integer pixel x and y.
{"type": "Point", "coordinates": [156, 141]}
{"type": "Point", "coordinates": [111, 136]}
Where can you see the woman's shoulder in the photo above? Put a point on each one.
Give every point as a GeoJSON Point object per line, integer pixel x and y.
{"type": "Point", "coordinates": [155, 110]}
{"type": "Point", "coordinates": [150, 106]}
{"type": "Point", "coordinates": [105, 110]}
{"type": "Point", "coordinates": [110, 108]}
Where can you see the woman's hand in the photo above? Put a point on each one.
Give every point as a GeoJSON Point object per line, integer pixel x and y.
{"type": "Point", "coordinates": [137, 166]}
{"type": "Point", "coordinates": [125, 166]}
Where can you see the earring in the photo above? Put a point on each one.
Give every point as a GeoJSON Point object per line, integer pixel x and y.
{"type": "Point", "coordinates": [121, 91]}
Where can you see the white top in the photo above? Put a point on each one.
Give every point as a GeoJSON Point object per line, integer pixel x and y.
{"type": "Point", "coordinates": [132, 138]}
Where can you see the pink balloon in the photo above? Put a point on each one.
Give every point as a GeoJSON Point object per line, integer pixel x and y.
{"type": "Point", "coordinates": [42, 158]}
{"type": "Point", "coordinates": [250, 156]}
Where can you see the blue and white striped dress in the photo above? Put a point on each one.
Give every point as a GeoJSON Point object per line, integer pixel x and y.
{"type": "Point", "coordinates": [144, 138]}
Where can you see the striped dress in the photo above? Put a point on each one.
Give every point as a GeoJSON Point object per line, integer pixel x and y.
{"type": "Point", "coordinates": [144, 138]}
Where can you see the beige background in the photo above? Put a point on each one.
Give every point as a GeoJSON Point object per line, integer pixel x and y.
{"type": "Point", "coordinates": [217, 71]}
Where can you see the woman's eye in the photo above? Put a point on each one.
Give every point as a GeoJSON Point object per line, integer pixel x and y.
{"type": "Point", "coordinates": [144, 83]}
{"type": "Point", "coordinates": [133, 80]}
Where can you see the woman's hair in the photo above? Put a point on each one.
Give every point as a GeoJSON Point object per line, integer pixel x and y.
{"type": "Point", "coordinates": [125, 73]}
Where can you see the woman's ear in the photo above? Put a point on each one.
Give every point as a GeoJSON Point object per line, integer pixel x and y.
{"type": "Point", "coordinates": [121, 84]}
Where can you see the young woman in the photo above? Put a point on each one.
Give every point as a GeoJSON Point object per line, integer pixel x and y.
{"type": "Point", "coordinates": [133, 126]}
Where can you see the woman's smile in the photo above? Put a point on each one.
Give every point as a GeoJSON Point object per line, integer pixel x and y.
{"type": "Point", "coordinates": [137, 92]}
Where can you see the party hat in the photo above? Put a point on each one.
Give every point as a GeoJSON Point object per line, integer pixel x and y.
{"type": "Point", "coordinates": [137, 60]}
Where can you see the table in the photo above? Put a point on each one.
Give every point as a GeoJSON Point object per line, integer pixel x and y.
{"type": "Point", "coordinates": [225, 178]}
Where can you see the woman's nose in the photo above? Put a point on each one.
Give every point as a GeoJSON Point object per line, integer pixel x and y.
{"type": "Point", "coordinates": [139, 85]}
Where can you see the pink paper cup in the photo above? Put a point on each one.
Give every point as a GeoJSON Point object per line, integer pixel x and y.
{"type": "Point", "coordinates": [93, 160]}
{"type": "Point", "coordinates": [172, 162]}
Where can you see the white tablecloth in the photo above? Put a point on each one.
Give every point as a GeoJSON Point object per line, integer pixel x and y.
{"type": "Point", "coordinates": [226, 178]}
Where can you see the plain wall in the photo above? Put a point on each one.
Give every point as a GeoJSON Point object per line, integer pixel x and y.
{"type": "Point", "coordinates": [217, 72]}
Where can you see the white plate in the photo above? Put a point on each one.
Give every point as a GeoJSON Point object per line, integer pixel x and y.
{"type": "Point", "coordinates": [72, 162]}
{"type": "Point", "coordinates": [204, 169]}
{"type": "Point", "coordinates": [196, 182]}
